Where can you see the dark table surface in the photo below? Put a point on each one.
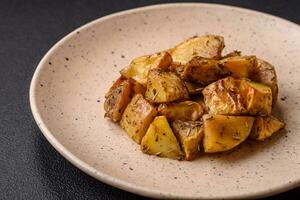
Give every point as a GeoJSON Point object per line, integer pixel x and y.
{"type": "Point", "coordinates": [30, 168]}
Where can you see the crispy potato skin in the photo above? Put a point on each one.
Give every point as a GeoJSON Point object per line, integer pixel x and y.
{"type": "Point", "coordinates": [222, 133]}
{"type": "Point", "coordinates": [137, 117]}
{"type": "Point", "coordinates": [239, 66]}
{"type": "Point", "coordinates": [160, 140]}
{"type": "Point", "coordinates": [232, 54]}
{"type": "Point", "coordinates": [185, 111]}
{"type": "Point", "coordinates": [265, 127]}
{"type": "Point", "coordinates": [265, 73]}
{"type": "Point", "coordinates": [117, 99]}
{"type": "Point", "coordinates": [232, 96]}
{"type": "Point", "coordinates": [204, 71]}
{"type": "Point", "coordinates": [189, 135]}
{"type": "Point", "coordinates": [139, 67]}
{"type": "Point", "coordinates": [165, 86]}
{"type": "Point", "coordinates": [209, 46]}
{"type": "Point", "coordinates": [224, 97]}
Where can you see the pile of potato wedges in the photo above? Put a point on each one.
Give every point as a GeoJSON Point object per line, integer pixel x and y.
{"type": "Point", "coordinates": [191, 99]}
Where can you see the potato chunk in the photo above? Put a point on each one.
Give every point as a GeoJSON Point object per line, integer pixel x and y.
{"type": "Point", "coordinates": [204, 71]}
{"type": "Point", "coordinates": [232, 96]}
{"type": "Point", "coordinates": [265, 73]}
{"type": "Point", "coordinates": [264, 127]}
{"type": "Point", "coordinates": [137, 117]}
{"type": "Point", "coordinates": [185, 111]}
{"type": "Point", "coordinates": [239, 66]}
{"type": "Point", "coordinates": [222, 133]}
{"type": "Point", "coordinates": [208, 46]}
{"type": "Point", "coordinates": [160, 140]}
{"type": "Point", "coordinates": [224, 97]}
{"type": "Point", "coordinates": [190, 135]}
{"type": "Point", "coordinates": [139, 67]}
{"type": "Point", "coordinates": [258, 98]}
{"type": "Point", "coordinates": [164, 86]}
{"type": "Point", "coordinates": [117, 99]}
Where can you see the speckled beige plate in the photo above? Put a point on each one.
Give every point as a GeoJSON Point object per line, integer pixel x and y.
{"type": "Point", "coordinates": [67, 94]}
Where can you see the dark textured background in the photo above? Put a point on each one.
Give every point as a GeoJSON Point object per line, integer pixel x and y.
{"type": "Point", "coordinates": [30, 168]}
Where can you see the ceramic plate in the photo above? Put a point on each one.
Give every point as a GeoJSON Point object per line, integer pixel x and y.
{"type": "Point", "coordinates": [68, 87]}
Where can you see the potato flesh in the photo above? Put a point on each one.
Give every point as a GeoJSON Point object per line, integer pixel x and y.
{"type": "Point", "coordinates": [117, 99]}
{"type": "Point", "coordinates": [239, 66]}
{"type": "Point", "coordinates": [265, 73]}
{"type": "Point", "coordinates": [209, 46]}
{"type": "Point", "coordinates": [160, 140]}
{"type": "Point", "coordinates": [232, 96]}
{"type": "Point", "coordinates": [185, 111]}
{"type": "Point", "coordinates": [204, 71]}
{"type": "Point", "coordinates": [164, 86]}
{"type": "Point", "coordinates": [222, 133]}
{"type": "Point", "coordinates": [139, 67]}
{"type": "Point", "coordinates": [265, 127]}
{"type": "Point", "coordinates": [137, 117]}
{"type": "Point", "coordinates": [189, 135]}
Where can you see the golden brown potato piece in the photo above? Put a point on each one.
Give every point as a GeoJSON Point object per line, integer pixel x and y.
{"type": "Point", "coordinates": [160, 140]}
{"type": "Point", "coordinates": [117, 99]}
{"type": "Point", "coordinates": [139, 67]}
{"type": "Point", "coordinates": [224, 97]}
{"type": "Point", "coordinates": [164, 86]}
{"type": "Point", "coordinates": [222, 133]}
{"type": "Point", "coordinates": [258, 98]}
{"type": "Point", "coordinates": [265, 73]}
{"type": "Point", "coordinates": [137, 117]}
{"type": "Point", "coordinates": [185, 111]}
{"type": "Point", "coordinates": [208, 46]}
{"type": "Point", "coordinates": [264, 127]}
{"type": "Point", "coordinates": [190, 135]}
{"type": "Point", "coordinates": [232, 96]}
{"type": "Point", "coordinates": [204, 71]}
{"type": "Point", "coordinates": [239, 66]}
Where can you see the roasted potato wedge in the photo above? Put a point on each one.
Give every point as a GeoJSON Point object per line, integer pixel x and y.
{"type": "Point", "coordinates": [137, 117]}
{"type": "Point", "coordinates": [189, 135]}
{"type": "Point", "coordinates": [239, 66]}
{"type": "Point", "coordinates": [165, 86]}
{"type": "Point", "coordinates": [185, 111]}
{"type": "Point", "coordinates": [222, 133]}
{"type": "Point", "coordinates": [204, 71]}
{"type": "Point", "coordinates": [160, 140]}
{"type": "Point", "coordinates": [224, 97]}
{"type": "Point", "coordinates": [265, 73]}
{"type": "Point", "coordinates": [209, 46]}
{"type": "Point", "coordinates": [232, 96]}
{"type": "Point", "coordinates": [258, 98]}
{"type": "Point", "coordinates": [139, 67]}
{"type": "Point", "coordinates": [265, 127]}
{"type": "Point", "coordinates": [117, 99]}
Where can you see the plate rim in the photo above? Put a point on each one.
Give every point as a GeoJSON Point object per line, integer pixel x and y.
{"type": "Point", "coordinates": [114, 181]}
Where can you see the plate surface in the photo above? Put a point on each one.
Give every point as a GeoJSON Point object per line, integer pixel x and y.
{"type": "Point", "coordinates": [68, 87]}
